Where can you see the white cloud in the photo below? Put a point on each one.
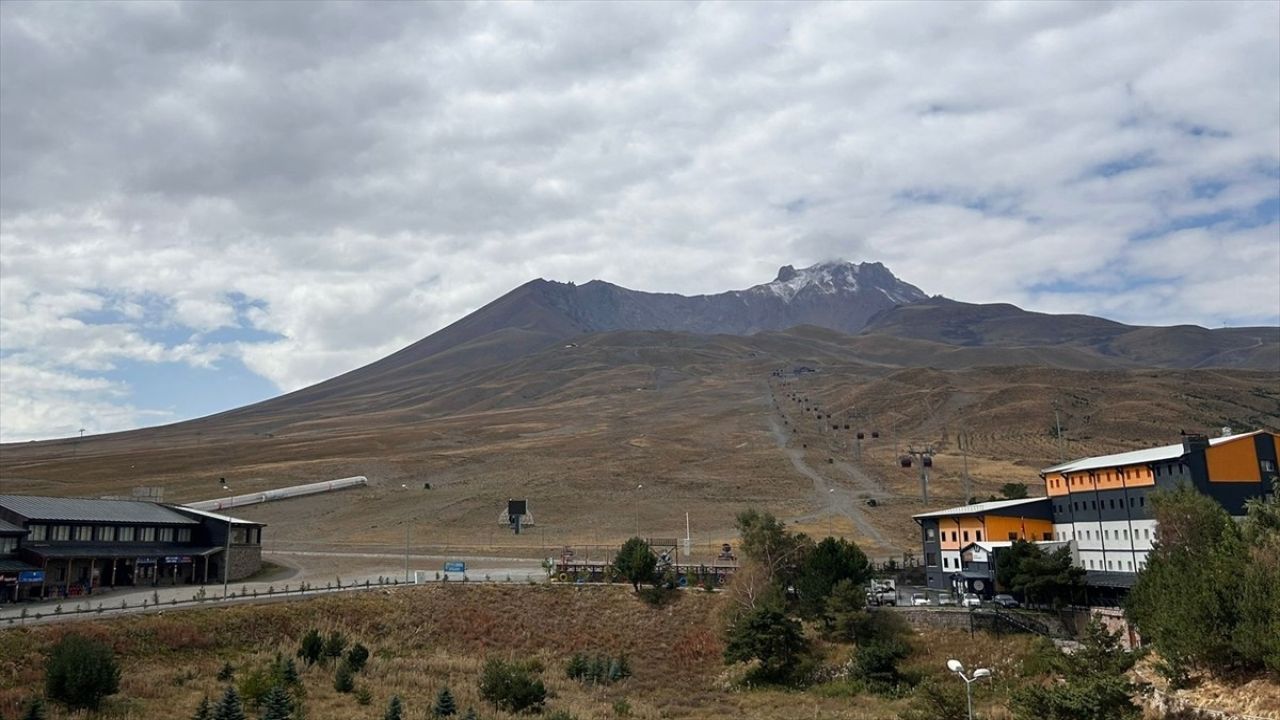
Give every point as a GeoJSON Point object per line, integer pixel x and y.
{"type": "Point", "coordinates": [365, 175]}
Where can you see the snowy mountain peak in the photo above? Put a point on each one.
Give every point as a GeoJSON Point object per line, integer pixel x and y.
{"type": "Point", "coordinates": [837, 277]}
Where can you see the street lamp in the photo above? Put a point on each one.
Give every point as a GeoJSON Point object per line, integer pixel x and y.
{"type": "Point", "coordinates": [638, 489]}
{"type": "Point", "coordinates": [955, 667]}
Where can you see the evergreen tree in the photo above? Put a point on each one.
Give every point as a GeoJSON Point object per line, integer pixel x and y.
{"type": "Point", "coordinates": [357, 656]}
{"type": "Point", "coordinates": [445, 705]}
{"type": "Point", "coordinates": [1094, 684]}
{"type": "Point", "coordinates": [312, 647]}
{"type": "Point", "coordinates": [636, 562]}
{"type": "Point", "coordinates": [344, 680]}
{"type": "Point", "coordinates": [394, 710]}
{"type": "Point", "coordinates": [334, 646]}
{"type": "Point", "coordinates": [35, 710]}
{"type": "Point", "coordinates": [229, 708]}
{"type": "Point", "coordinates": [226, 673]}
{"type": "Point", "coordinates": [471, 715]}
{"type": "Point", "coordinates": [768, 635]}
{"type": "Point", "coordinates": [289, 673]}
{"type": "Point", "coordinates": [277, 705]}
{"type": "Point", "coordinates": [204, 711]}
{"type": "Point", "coordinates": [828, 563]}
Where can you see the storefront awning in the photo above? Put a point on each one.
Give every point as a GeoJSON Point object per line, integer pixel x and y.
{"type": "Point", "coordinates": [118, 550]}
{"type": "Point", "coordinates": [8, 567]}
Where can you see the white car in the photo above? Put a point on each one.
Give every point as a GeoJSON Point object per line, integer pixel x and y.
{"type": "Point", "coordinates": [946, 600]}
{"type": "Point", "coordinates": [971, 600]}
{"type": "Point", "coordinates": [918, 599]}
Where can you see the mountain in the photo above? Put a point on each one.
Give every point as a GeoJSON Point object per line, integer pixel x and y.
{"type": "Point", "coordinates": [1009, 327]}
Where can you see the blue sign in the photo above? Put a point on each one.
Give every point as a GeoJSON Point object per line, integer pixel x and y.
{"type": "Point", "coordinates": [455, 566]}
{"type": "Point", "coordinates": [31, 576]}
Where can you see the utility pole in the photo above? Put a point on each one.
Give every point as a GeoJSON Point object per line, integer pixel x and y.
{"type": "Point", "coordinates": [406, 553]}
{"type": "Point", "coordinates": [963, 440]}
{"type": "Point", "coordinates": [1057, 423]}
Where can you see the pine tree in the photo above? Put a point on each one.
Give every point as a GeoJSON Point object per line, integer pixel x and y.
{"type": "Point", "coordinates": [35, 710]}
{"type": "Point", "coordinates": [204, 711]}
{"type": "Point", "coordinates": [344, 680]}
{"type": "Point", "coordinates": [229, 708]}
{"type": "Point", "coordinates": [394, 710]}
{"type": "Point", "coordinates": [226, 673]}
{"type": "Point", "coordinates": [277, 705]}
{"type": "Point", "coordinates": [471, 715]}
{"type": "Point", "coordinates": [289, 675]}
{"type": "Point", "coordinates": [445, 705]}
{"type": "Point", "coordinates": [312, 647]}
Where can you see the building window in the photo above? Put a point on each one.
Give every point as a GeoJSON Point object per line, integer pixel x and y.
{"type": "Point", "coordinates": [930, 533]}
{"type": "Point", "coordinates": [966, 536]}
{"type": "Point", "coordinates": [61, 532]}
{"type": "Point", "coordinates": [931, 559]}
{"type": "Point", "coordinates": [8, 545]}
{"type": "Point", "coordinates": [1090, 564]}
{"type": "Point", "coordinates": [1130, 564]}
{"type": "Point", "coordinates": [1108, 564]}
{"type": "Point", "coordinates": [106, 533]}
{"type": "Point", "coordinates": [1047, 536]}
{"type": "Point", "coordinates": [1013, 536]}
{"type": "Point", "coordinates": [184, 535]}
{"type": "Point", "coordinates": [1094, 503]}
{"type": "Point", "coordinates": [38, 533]}
{"type": "Point", "coordinates": [84, 533]}
{"type": "Point", "coordinates": [125, 533]}
{"type": "Point", "coordinates": [977, 534]}
{"type": "Point", "coordinates": [1146, 533]}
{"type": "Point", "coordinates": [953, 536]}
{"type": "Point", "coordinates": [1267, 466]}
{"type": "Point", "coordinates": [165, 535]}
{"type": "Point", "coordinates": [147, 534]}
{"type": "Point", "coordinates": [1142, 501]}
{"type": "Point", "coordinates": [1113, 503]}
{"type": "Point", "coordinates": [1106, 534]}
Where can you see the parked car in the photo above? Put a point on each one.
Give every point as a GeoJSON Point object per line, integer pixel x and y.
{"type": "Point", "coordinates": [946, 600]}
{"type": "Point", "coordinates": [1005, 601]}
{"type": "Point", "coordinates": [971, 600]}
{"type": "Point", "coordinates": [918, 599]}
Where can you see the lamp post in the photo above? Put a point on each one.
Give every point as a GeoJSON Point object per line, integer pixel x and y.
{"type": "Point", "coordinates": [638, 489]}
{"type": "Point", "coordinates": [955, 667]}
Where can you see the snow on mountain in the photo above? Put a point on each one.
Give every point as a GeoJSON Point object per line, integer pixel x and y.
{"type": "Point", "coordinates": [833, 278]}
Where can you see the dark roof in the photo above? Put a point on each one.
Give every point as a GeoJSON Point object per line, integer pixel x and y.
{"type": "Point", "coordinates": [117, 550]}
{"type": "Point", "coordinates": [35, 507]}
{"type": "Point", "coordinates": [15, 566]}
{"type": "Point", "coordinates": [8, 528]}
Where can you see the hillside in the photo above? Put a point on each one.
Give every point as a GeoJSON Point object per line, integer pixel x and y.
{"type": "Point", "coordinates": [1006, 326]}
{"type": "Point", "coordinates": [691, 418]}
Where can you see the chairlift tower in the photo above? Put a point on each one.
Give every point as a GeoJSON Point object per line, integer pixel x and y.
{"type": "Point", "coordinates": [925, 458]}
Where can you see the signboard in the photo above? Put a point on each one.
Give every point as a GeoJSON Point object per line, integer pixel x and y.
{"type": "Point", "coordinates": [177, 559]}
{"type": "Point", "coordinates": [517, 507]}
{"type": "Point", "coordinates": [146, 561]}
{"type": "Point", "coordinates": [31, 576]}
{"type": "Point", "coordinates": [455, 566]}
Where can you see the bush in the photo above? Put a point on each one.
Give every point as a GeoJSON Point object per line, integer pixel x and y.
{"type": "Point", "coordinates": [229, 708]}
{"type": "Point", "coordinates": [226, 673]}
{"type": "Point", "coordinates": [277, 705]}
{"type": "Point", "coordinates": [1091, 683]}
{"type": "Point", "coordinates": [255, 684]}
{"type": "Point", "coordinates": [357, 656]}
{"type": "Point", "coordinates": [35, 710]}
{"type": "Point", "coordinates": [204, 711]}
{"type": "Point", "coordinates": [876, 662]}
{"type": "Point", "coordinates": [512, 687]}
{"type": "Point", "coordinates": [344, 680]}
{"type": "Point", "coordinates": [598, 670]}
{"type": "Point", "coordinates": [395, 711]}
{"type": "Point", "coordinates": [937, 701]}
{"type": "Point", "coordinates": [80, 672]}
{"type": "Point", "coordinates": [768, 636]}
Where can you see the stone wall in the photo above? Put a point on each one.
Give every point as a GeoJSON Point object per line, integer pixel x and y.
{"type": "Point", "coordinates": [245, 561]}
{"type": "Point", "coordinates": [945, 618]}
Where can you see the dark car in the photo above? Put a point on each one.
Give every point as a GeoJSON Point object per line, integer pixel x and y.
{"type": "Point", "coordinates": [1005, 601]}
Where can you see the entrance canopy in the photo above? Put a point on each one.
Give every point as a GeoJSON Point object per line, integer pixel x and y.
{"type": "Point", "coordinates": [118, 550]}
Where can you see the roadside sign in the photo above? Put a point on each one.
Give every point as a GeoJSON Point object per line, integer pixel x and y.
{"type": "Point", "coordinates": [456, 566]}
{"type": "Point", "coordinates": [31, 576]}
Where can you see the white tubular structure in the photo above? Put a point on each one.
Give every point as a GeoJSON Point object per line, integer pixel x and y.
{"type": "Point", "coordinates": [280, 494]}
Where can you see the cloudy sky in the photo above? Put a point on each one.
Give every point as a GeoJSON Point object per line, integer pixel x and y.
{"type": "Point", "coordinates": [203, 205]}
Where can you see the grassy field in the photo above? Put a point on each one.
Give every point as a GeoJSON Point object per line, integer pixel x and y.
{"type": "Point", "coordinates": [425, 638]}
